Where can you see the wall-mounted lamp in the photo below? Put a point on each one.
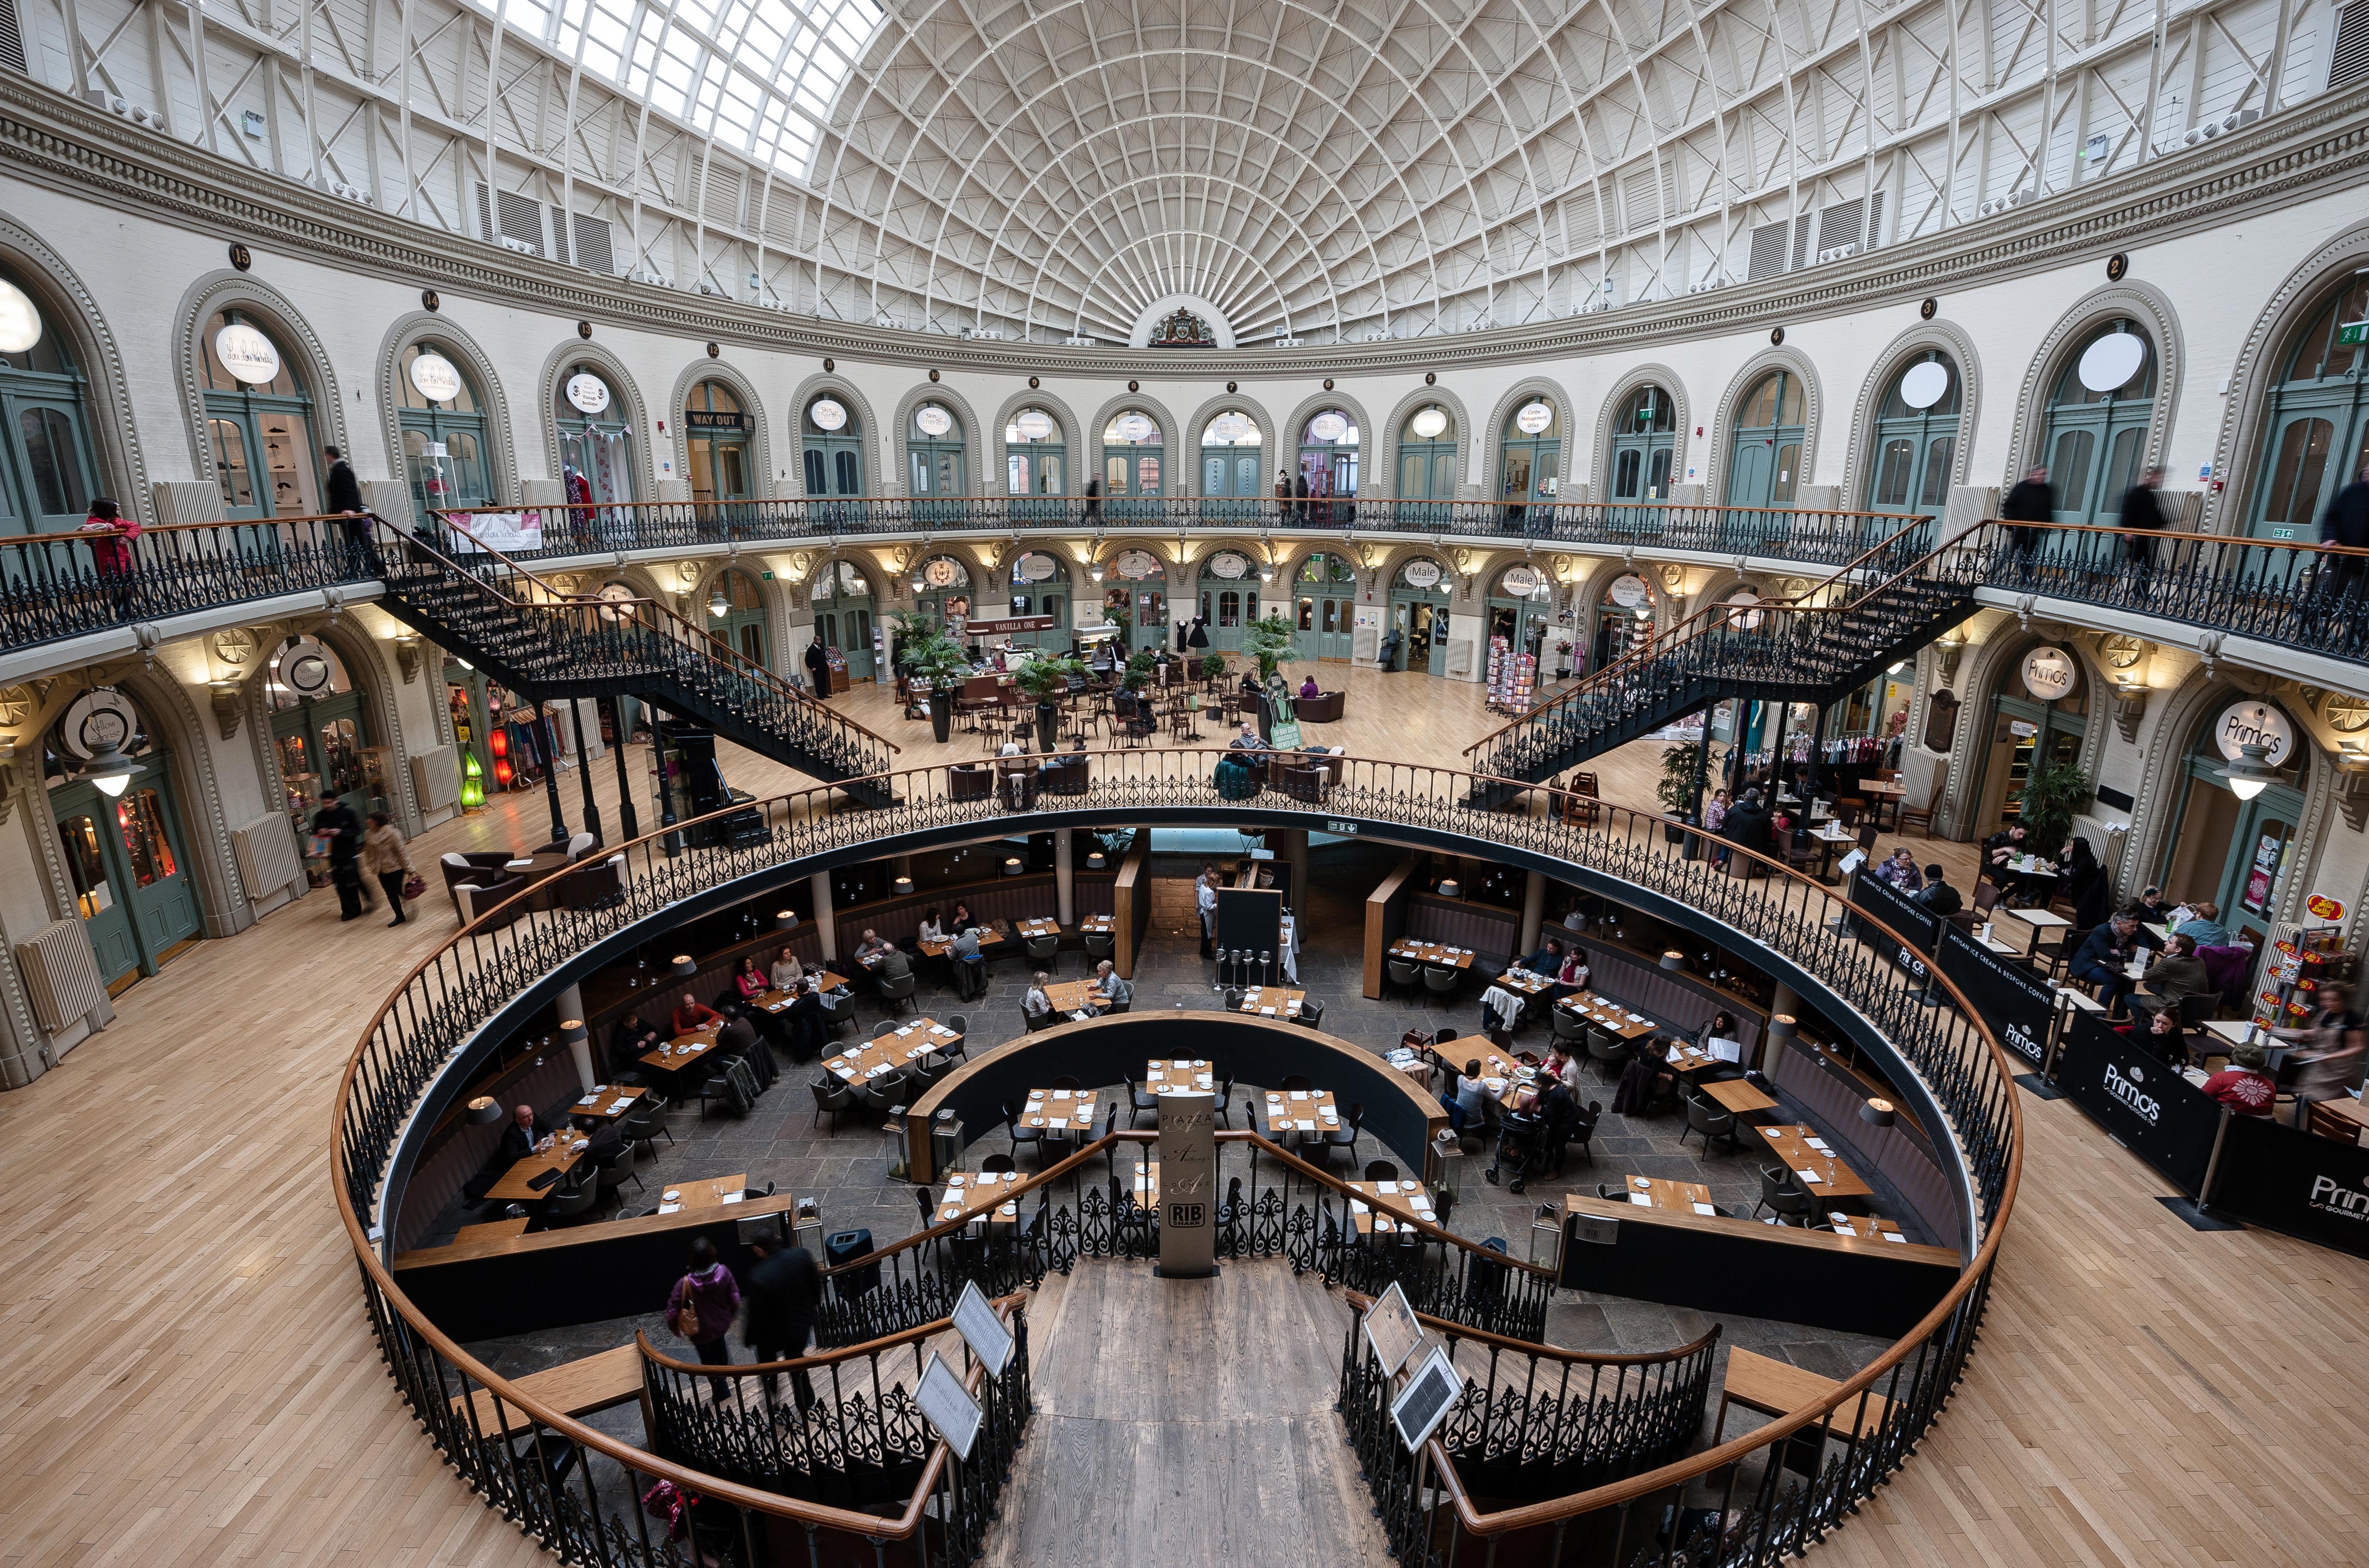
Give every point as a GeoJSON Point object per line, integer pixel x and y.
{"type": "Point", "coordinates": [1877, 1113]}
{"type": "Point", "coordinates": [407, 656]}
{"type": "Point", "coordinates": [787, 920]}
{"type": "Point", "coordinates": [1949, 648]}
{"type": "Point", "coordinates": [2130, 708]}
{"type": "Point", "coordinates": [1096, 571]}
{"type": "Point", "coordinates": [228, 709]}
{"type": "Point", "coordinates": [485, 1110]}
{"type": "Point", "coordinates": [683, 968]}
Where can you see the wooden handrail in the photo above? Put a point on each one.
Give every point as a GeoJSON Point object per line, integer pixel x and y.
{"type": "Point", "coordinates": [1611, 1494]}
{"type": "Point", "coordinates": [78, 536]}
{"type": "Point", "coordinates": [1449, 1328]}
{"type": "Point", "coordinates": [1003, 1306]}
{"type": "Point", "coordinates": [1311, 502]}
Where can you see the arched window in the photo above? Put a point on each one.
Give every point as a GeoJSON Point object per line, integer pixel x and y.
{"type": "Point", "coordinates": [736, 615]}
{"type": "Point", "coordinates": [1328, 461]}
{"type": "Point", "coordinates": [1644, 446]}
{"type": "Point", "coordinates": [716, 429]}
{"type": "Point", "coordinates": [834, 447]}
{"type": "Point", "coordinates": [48, 471]}
{"type": "Point", "coordinates": [1532, 453]}
{"type": "Point", "coordinates": [1133, 453]}
{"type": "Point", "coordinates": [443, 419]}
{"type": "Point", "coordinates": [1916, 437]}
{"type": "Point", "coordinates": [1041, 586]}
{"type": "Point", "coordinates": [936, 474]}
{"type": "Point", "coordinates": [841, 597]}
{"type": "Point", "coordinates": [596, 445]}
{"type": "Point", "coordinates": [2095, 438]}
{"type": "Point", "coordinates": [2316, 420]}
{"type": "Point", "coordinates": [258, 421]}
{"type": "Point", "coordinates": [1427, 465]}
{"type": "Point", "coordinates": [1231, 448]}
{"type": "Point", "coordinates": [122, 838]}
{"type": "Point", "coordinates": [1035, 465]}
{"type": "Point", "coordinates": [2237, 853]}
{"type": "Point", "coordinates": [1765, 452]}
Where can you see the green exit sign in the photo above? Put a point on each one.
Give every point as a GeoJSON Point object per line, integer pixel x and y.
{"type": "Point", "coordinates": [2353, 332]}
{"type": "Point", "coordinates": [767, 575]}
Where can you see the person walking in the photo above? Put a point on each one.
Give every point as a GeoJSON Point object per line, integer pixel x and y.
{"type": "Point", "coordinates": [388, 858]}
{"type": "Point", "coordinates": [337, 826]}
{"type": "Point", "coordinates": [2033, 499]}
{"type": "Point", "coordinates": [1094, 513]}
{"type": "Point", "coordinates": [701, 1307]}
{"type": "Point", "coordinates": [778, 1307]}
{"type": "Point", "coordinates": [2142, 508]}
{"type": "Point", "coordinates": [344, 494]}
{"type": "Point", "coordinates": [1204, 900]}
{"type": "Point", "coordinates": [2345, 522]}
{"type": "Point", "coordinates": [111, 556]}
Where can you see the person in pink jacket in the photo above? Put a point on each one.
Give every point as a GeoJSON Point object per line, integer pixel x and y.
{"type": "Point", "coordinates": [714, 1298]}
{"type": "Point", "coordinates": [111, 557]}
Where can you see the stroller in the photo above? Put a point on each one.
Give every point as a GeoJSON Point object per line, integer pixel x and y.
{"type": "Point", "coordinates": [1521, 1146]}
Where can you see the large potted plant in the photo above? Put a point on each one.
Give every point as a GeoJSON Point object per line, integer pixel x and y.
{"type": "Point", "coordinates": [1675, 790]}
{"type": "Point", "coordinates": [1274, 642]}
{"type": "Point", "coordinates": [938, 663]}
{"type": "Point", "coordinates": [1213, 667]}
{"type": "Point", "coordinates": [2051, 795]}
{"type": "Point", "coordinates": [1047, 679]}
{"type": "Point", "coordinates": [1139, 669]}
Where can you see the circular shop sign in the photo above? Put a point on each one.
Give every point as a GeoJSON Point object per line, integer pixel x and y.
{"type": "Point", "coordinates": [1038, 566]}
{"type": "Point", "coordinates": [587, 392]}
{"type": "Point", "coordinates": [21, 320]}
{"type": "Point", "coordinates": [1421, 574]}
{"type": "Point", "coordinates": [940, 573]}
{"type": "Point", "coordinates": [305, 668]}
{"type": "Point", "coordinates": [247, 353]}
{"type": "Point", "coordinates": [1328, 427]}
{"type": "Point", "coordinates": [2112, 360]}
{"type": "Point", "coordinates": [434, 377]}
{"type": "Point", "coordinates": [1428, 423]}
{"type": "Point", "coordinates": [1228, 565]}
{"type": "Point", "coordinates": [2250, 723]}
{"type": "Point", "coordinates": [1629, 590]}
{"type": "Point", "coordinates": [1136, 565]}
{"type": "Point", "coordinates": [1230, 428]}
{"type": "Point", "coordinates": [1533, 418]}
{"type": "Point", "coordinates": [1034, 425]}
{"type": "Point", "coordinates": [827, 414]}
{"type": "Point", "coordinates": [1519, 583]}
{"type": "Point", "coordinates": [932, 420]}
{"type": "Point", "coordinates": [1923, 385]}
{"type": "Point", "coordinates": [1134, 428]}
{"type": "Point", "coordinates": [97, 720]}
{"type": "Point", "coordinates": [2050, 674]}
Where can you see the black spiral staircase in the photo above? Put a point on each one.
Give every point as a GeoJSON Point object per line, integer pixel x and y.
{"type": "Point", "coordinates": [1815, 648]}
{"type": "Point", "coordinates": [553, 646]}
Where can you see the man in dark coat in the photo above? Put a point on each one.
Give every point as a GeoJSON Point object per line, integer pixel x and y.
{"type": "Point", "coordinates": [780, 1295]}
{"type": "Point", "coordinates": [1747, 823]}
{"type": "Point", "coordinates": [818, 668]}
{"type": "Point", "coordinates": [345, 495]}
{"type": "Point", "coordinates": [2142, 508]}
{"type": "Point", "coordinates": [2034, 499]}
{"type": "Point", "coordinates": [2346, 522]}
{"type": "Point", "coordinates": [337, 823]}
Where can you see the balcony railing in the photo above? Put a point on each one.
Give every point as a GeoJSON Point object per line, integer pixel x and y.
{"type": "Point", "coordinates": [424, 1029]}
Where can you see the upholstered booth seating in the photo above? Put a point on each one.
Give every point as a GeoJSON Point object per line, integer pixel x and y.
{"type": "Point", "coordinates": [1322, 708]}
{"type": "Point", "coordinates": [589, 885]}
{"type": "Point", "coordinates": [969, 781]}
{"type": "Point", "coordinates": [479, 866]}
{"type": "Point", "coordinates": [472, 898]}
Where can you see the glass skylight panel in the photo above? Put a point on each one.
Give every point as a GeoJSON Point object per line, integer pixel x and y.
{"type": "Point", "coordinates": [757, 75]}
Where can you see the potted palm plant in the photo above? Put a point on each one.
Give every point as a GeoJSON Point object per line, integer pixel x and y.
{"type": "Point", "coordinates": [938, 663]}
{"type": "Point", "coordinates": [2051, 795]}
{"type": "Point", "coordinates": [1675, 790]}
{"type": "Point", "coordinates": [1274, 642]}
{"type": "Point", "coordinates": [1047, 679]}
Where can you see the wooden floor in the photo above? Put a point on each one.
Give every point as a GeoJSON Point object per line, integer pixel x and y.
{"type": "Point", "coordinates": [186, 1376]}
{"type": "Point", "coordinates": [1215, 1445]}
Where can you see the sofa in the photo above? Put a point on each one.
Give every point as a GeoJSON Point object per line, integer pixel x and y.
{"type": "Point", "coordinates": [1322, 708]}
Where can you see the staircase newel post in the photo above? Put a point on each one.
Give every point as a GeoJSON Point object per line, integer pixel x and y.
{"type": "Point", "coordinates": [629, 823]}
{"type": "Point", "coordinates": [551, 770]}
{"type": "Point", "coordinates": [584, 767]}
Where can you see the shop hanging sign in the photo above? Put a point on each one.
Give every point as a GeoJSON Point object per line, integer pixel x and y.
{"type": "Point", "coordinates": [2112, 360]}
{"type": "Point", "coordinates": [98, 721]}
{"type": "Point", "coordinates": [1923, 385]}
{"type": "Point", "coordinates": [1629, 590]}
{"type": "Point", "coordinates": [305, 667]}
{"type": "Point", "coordinates": [940, 573]}
{"type": "Point", "coordinates": [1227, 430]}
{"type": "Point", "coordinates": [932, 421]}
{"type": "Point", "coordinates": [246, 354]}
{"type": "Point", "coordinates": [2050, 674]}
{"type": "Point", "coordinates": [1533, 418]}
{"type": "Point", "coordinates": [1038, 566]}
{"type": "Point", "coordinates": [1009, 625]}
{"type": "Point", "coordinates": [1034, 425]}
{"type": "Point", "coordinates": [21, 320]}
{"type": "Point", "coordinates": [1428, 423]}
{"type": "Point", "coordinates": [2319, 906]}
{"type": "Point", "coordinates": [1422, 574]}
{"type": "Point", "coordinates": [1136, 565]}
{"type": "Point", "coordinates": [1328, 428]}
{"type": "Point", "coordinates": [827, 414]}
{"type": "Point", "coordinates": [1134, 428]}
{"type": "Point", "coordinates": [2244, 724]}
{"type": "Point", "coordinates": [1519, 583]}
{"type": "Point", "coordinates": [435, 378]}
{"type": "Point", "coordinates": [1228, 565]}
{"type": "Point", "coordinates": [510, 532]}
{"type": "Point", "coordinates": [588, 392]}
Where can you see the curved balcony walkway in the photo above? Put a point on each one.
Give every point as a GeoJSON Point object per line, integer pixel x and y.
{"type": "Point", "coordinates": [191, 1377]}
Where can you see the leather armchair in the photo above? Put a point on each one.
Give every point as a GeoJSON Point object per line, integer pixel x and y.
{"type": "Point", "coordinates": [474, 899]}
{"type": "Point", "coordinates": [1322, 708]}
{"type": "Point", "coordinates": [461, 866]}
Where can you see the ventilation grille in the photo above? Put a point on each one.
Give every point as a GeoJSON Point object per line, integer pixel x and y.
{"type": "Point", "coordinates": [1768, 256]}
{"type": "Point", "coordinates": [521, 218]}
{"type": "Point", "coordinates": [2347, 66]}
{"type": "Point", "coordinates": [593, 246]}
{"type": "Point", "coordinates": [435, 779]}
{"type": "Point", "coordinates": [266, 853]}
{"type": "Point", "coordinates": [60, 970]}
{"type": "Point", "coordinates": [12, 38]}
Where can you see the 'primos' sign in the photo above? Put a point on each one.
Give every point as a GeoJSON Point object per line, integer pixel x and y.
{"type": "Point", "coordinates": [2006, 993]}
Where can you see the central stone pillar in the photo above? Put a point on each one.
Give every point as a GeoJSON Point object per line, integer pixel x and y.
{"type": "Point", "coordinates": [1188, 1181]}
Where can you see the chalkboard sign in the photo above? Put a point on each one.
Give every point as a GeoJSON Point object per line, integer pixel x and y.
{"type": "Point", "coordinates": [2006, 993]}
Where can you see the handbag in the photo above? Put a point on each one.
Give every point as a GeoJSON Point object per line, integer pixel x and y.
{"type": "Point", "coordinates": [686, 1317]}
{"type": "Point", "coordinates": [415, 887]}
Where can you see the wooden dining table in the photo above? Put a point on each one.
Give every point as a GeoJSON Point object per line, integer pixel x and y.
{"type": "Point", "coordinates": [1607, 1014]}
{"type": "Point", "coordinates": [968, 1193]}
{"type": "Point", "coordinates": [775, 1001]}
{"type": "Point", "coordinates": [1162, 1074]}
{"type": "Point", "coordinates": [1508, 1076]}
{"type": "Point", "coordinates": [610, 1103]}
{"type": "Point", "coordinates": [1836, 1184]}
{"type": "Point", "coordinates": [1738, 1094]}
{"type": "Point", "coordinates": [1038, 927]}
{"type": "Point", "coordinates": [1306, 1114]}
{"type": "Point", "coordinates": [1657, 1192]}
{"type": "Point", "coordinates": [899, 1047]}
{"type": "Point", "coordinates": [990, 936]}
{"type": "Point", "coordinates": [1280, 1002]}
{"type": "Point", "coordinates": [1391, 1210]}
{"type": "Point", "coordinates": [1074, 996]}
{"type": "Point", "coordinates": [1057, 1111]}
{"type": "Point", "coordinates": [711, 1192]}
{"type": "Point", "coordinates": [1096, 925]}
{"type": "Point", "coordinates": [516, 1185]}
{"type": "Point", "coordinates": [675, 1055]}
{"type": "Point", "coordinates": [1431, 953]}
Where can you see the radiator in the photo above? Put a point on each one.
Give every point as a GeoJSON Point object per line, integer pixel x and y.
{"type": "Point", "coordinates": [61, 974]}
{"type": "Point", "coordinates": [265, 852]}
{"type": "Point", "coordinates": [435, 779]}
{"type": "Point", "coordinates": [1460, 658]}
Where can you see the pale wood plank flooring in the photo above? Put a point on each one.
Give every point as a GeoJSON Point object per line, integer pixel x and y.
{"type": "Point", "coordinates": [188, 1377]}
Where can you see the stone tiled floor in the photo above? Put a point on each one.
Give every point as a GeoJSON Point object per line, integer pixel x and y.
{"type": "Point", "coordinates": [846, 1173]}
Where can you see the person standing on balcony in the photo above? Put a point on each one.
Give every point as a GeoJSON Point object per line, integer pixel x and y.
{"type": "Point", "coordinates": [2345, 522]}
{"type": "Point", "coordinates": [110, 550]}
{"type": "Point", "coordinates": [345, 497]}
{"type": "Point", "coordinates": [2033, 499]}
{"type": "Point", "coordinates": [1283, 495]}
{"type": "Point", "coordinates": [1094, 501]}
{"type": "Point", "coordinates": [2142, 508]}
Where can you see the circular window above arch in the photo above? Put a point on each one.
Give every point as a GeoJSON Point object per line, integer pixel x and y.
{"type": "Point", "coordinates": [1924, 383]}
{"type": "Point", "coordinates": [2109, 363]}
